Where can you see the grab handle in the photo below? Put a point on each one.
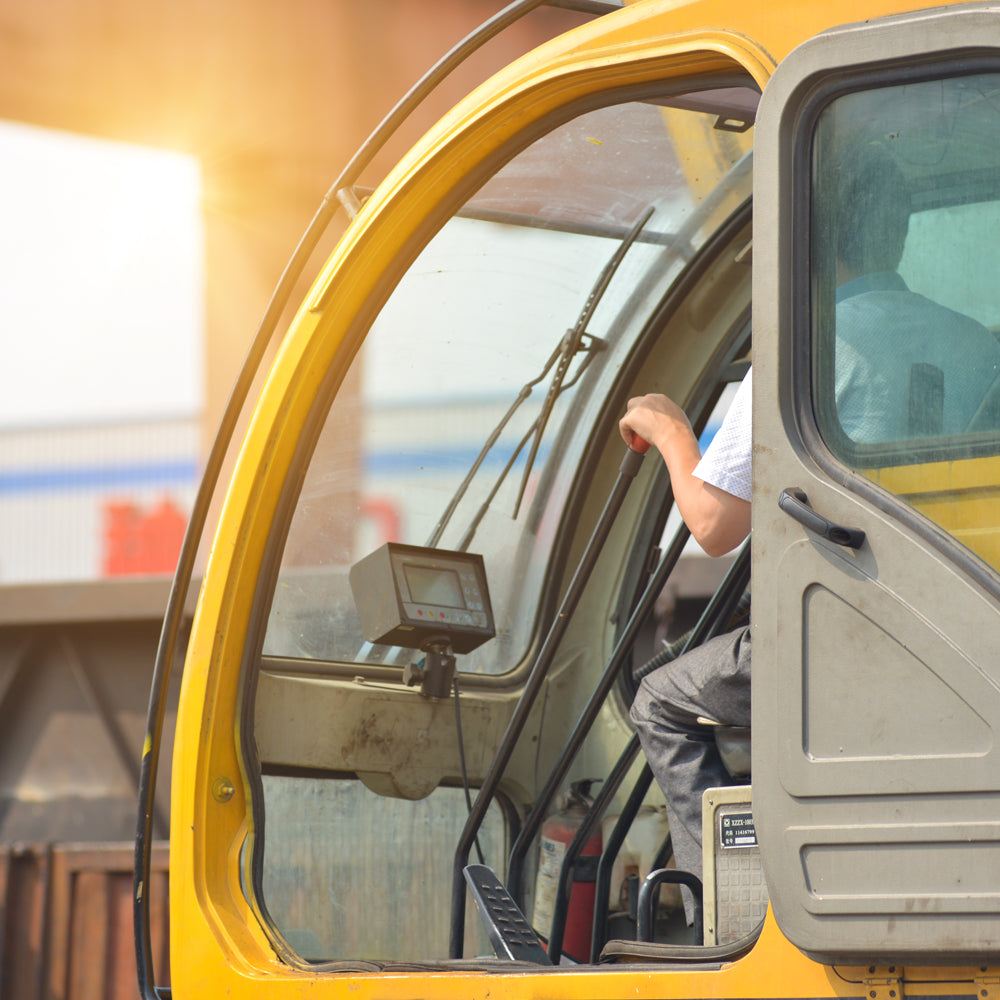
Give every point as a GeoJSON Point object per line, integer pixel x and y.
{"type": "Point", "coordinates": [795, 504]}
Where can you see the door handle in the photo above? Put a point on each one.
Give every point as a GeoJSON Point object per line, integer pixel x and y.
{"type": "Point", "coordinates": [795, 504]}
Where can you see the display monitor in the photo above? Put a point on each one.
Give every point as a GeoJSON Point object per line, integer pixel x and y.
{"type": "Point", "coordinates": [411, 596]}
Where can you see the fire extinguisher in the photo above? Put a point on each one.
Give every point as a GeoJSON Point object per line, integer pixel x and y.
{"type": "Point", "coordinates": [557, 833]}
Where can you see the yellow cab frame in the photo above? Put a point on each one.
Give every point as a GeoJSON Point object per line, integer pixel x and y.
{"type": "Point", "coordinates": [878, 842]}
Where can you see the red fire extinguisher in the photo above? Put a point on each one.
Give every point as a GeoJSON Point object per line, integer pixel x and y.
{"type": "Point", "coordinates": [557, 833]}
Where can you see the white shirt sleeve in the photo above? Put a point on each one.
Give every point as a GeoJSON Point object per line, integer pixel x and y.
{"type": "Point", "coordinates": [726, 462]}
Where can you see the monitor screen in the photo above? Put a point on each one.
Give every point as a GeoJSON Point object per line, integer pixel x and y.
{"type": "Point", "coordinates": [432, 585]}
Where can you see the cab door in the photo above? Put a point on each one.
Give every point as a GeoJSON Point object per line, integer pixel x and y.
{"type": "Point", "coordinates": [877, 489]}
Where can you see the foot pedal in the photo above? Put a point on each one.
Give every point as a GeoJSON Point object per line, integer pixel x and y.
{"type": "Point", "coordinates": [510, 934]}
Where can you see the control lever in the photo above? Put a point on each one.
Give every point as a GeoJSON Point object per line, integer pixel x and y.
{"type": "Point", "coordinates": [634, 455]}
{"type": "Point", "coordinates": [536, 678]}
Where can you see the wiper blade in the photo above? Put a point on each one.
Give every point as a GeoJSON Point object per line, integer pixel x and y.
{"type": "Point", "coordinates": [470, 531]}
{"type": "Point", "coordinates": [523, 394]}
{"type": "Point", "coordinates": [567, 348]}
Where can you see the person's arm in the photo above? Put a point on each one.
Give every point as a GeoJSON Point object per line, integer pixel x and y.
{"type": "Point", "coordinates": [718, 520]}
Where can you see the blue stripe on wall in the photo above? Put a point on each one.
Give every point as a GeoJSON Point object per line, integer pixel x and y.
{"type": "Point", "coordinates": [388, 463]}
{"type": "Point", "coordinates": [171, 472]}
{"type": "Point", "coordinates": [185, 471]}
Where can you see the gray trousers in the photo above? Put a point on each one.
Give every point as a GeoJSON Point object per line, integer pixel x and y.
{"type": "Point", "coordinates": [712, 682]}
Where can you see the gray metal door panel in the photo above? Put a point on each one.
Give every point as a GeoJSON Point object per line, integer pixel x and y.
{"type": "Point", "coordinates": [876, 670]}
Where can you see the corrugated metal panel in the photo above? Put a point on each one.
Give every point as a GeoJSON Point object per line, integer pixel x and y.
{"type": "Point", "coordinates": [75, 664]}
{"type": "Point", "coordinates": [66, 922]}
{"type": "Point", "coordinates": [75, 668]}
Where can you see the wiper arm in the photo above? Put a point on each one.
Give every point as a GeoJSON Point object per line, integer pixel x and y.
{"type": "Point", "coordinates": [566, 349]}
{"type": "Point", "coordinates": [522, 395]}
{"type": "Point", "coordinates": [571, 344]}
{"type": "Point", "coordinates": [470, 531]}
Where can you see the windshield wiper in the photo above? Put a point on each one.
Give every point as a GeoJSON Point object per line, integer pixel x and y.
{"type": "Point", "coordinates": [596, 345]}
{"type": "Point", "coordinates": [573, 342]}
{"type": "Point", "coordinates": [522, 395]}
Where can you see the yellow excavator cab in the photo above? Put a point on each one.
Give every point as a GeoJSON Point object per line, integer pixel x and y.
{"type": "Point", "coordinates": [403, 764]}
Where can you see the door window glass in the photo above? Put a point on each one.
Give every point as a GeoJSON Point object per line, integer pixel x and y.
{"type": "Point", "coordinates": [906, 305]}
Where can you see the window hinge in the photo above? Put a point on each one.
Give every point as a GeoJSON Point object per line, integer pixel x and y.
{"type": "Point", "coordinates": [987, 984]}
{"type": "Point", "coordinates": [884, 982]}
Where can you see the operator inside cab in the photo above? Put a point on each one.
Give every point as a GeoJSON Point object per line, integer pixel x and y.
{"type": "Point", "coordinates": [896, 350]}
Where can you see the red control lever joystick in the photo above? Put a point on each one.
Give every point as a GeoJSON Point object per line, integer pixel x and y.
{"type": "Point", "coordinates": [634, 455]}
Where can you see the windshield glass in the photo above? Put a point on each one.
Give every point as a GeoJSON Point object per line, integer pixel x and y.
{"type": "Point", "coordinates": [454, 424]}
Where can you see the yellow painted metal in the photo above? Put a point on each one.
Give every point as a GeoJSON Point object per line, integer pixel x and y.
{"type": "Point", "coordinates": [218, 945]}
{"type": "Point", "coordinates": [963, 497]}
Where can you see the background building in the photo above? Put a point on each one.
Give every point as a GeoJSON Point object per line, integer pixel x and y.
{"type": "Point", "coordinates": [162, 161]}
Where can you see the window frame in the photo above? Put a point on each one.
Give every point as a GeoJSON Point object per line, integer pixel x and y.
{"type": "Point", "coordinates": [558, 567]}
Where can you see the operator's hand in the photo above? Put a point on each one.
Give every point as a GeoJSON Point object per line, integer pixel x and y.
{"type": "Point", "coordinates": [655, 418]}
{"type": "Point", "coordinates": [718, 520]}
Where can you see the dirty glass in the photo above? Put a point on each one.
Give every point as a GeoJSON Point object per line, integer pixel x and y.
{"type": "Point", "coordinates": [345, 895]}
{"type": "Point", "coordinates": [454, 423]}
{"type": "Point", "coordinates": [906, 305]}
